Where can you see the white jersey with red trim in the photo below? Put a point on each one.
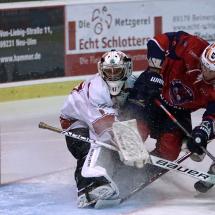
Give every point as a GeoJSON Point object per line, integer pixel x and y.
{"type": "Point", "coordinates": [91, 105]}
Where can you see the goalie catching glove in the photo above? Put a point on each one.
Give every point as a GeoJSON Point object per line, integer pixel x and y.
{"type": "Point", "coordinates": [131, 147]}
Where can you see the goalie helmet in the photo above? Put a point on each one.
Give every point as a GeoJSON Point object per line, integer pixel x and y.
{"type": "Point", "coordinates": [208, 64]}
{"type": "Point", "coordinates": [115, 68]}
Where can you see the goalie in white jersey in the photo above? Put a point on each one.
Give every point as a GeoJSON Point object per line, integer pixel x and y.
{"type": "Point", "coordinates": [90, 111]}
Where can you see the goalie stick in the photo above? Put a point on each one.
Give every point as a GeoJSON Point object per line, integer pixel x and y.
{"type": "Point", "coordinates": [160, 162]}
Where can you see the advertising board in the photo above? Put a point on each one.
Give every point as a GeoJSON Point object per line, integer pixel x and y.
{"type": "Point", "coordinates": [31, 43]}
{"type": "Point", "coordinates": [92, 29]}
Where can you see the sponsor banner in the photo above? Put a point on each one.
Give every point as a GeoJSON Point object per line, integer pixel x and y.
{"type": "Point", "coordinates": [92, 29]}
{"type": "Point", "coordinates": [84, 64]}
{"type": "Point", "coordinates": [31, 43]}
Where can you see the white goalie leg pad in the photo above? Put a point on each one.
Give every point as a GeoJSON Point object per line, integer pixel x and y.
{"type": "Point", "coordinates": [129, 141]}
{"type": "Point", "coordinates": [90, 167]}
{"type": "Point", "coordinates": [99, 163]}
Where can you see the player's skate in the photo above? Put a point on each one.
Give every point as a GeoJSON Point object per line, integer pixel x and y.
{"type": "Point", "coordinates": [203, 186]}
{"type": "Point", "coordinates": [94, 192]}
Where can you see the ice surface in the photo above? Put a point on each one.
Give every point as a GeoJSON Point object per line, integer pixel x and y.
{"type": "Point", "coordinates": [56, 194]}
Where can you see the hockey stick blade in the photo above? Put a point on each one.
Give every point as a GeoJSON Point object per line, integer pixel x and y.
{"type": "Point", "coordinates": [171, 165]}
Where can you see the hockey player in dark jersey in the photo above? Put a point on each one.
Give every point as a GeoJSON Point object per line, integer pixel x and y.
{"type": "Point", "coordinates": [181, 75]}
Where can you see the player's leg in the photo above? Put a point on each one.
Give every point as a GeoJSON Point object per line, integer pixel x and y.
{"type": "Point", "coordinates": [169, 136]}
{"type": "Point", "coordinates": [168, 145]}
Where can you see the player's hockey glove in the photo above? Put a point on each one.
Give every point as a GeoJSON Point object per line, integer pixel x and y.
{"type": "Point", "coordinates": [200, 136]}
{"type": "Point", "coordinates": [148, 86]}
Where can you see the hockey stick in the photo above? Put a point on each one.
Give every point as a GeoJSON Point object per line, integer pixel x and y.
{"type": "Point", "coordinates": [160, 162]}
{"type": "Point", "coordinates": [76, 136]}
{"type": "Point", "coordinates": [158, 103]}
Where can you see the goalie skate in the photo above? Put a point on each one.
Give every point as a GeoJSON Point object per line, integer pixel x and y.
{"type": "Point", "coordinates": [91, 197]}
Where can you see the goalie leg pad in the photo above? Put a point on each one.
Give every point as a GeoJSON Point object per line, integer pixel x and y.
{"type": "Point", "coordinates": [124, 178]}
{"type": "Point", "coordinates": [99, 163]}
